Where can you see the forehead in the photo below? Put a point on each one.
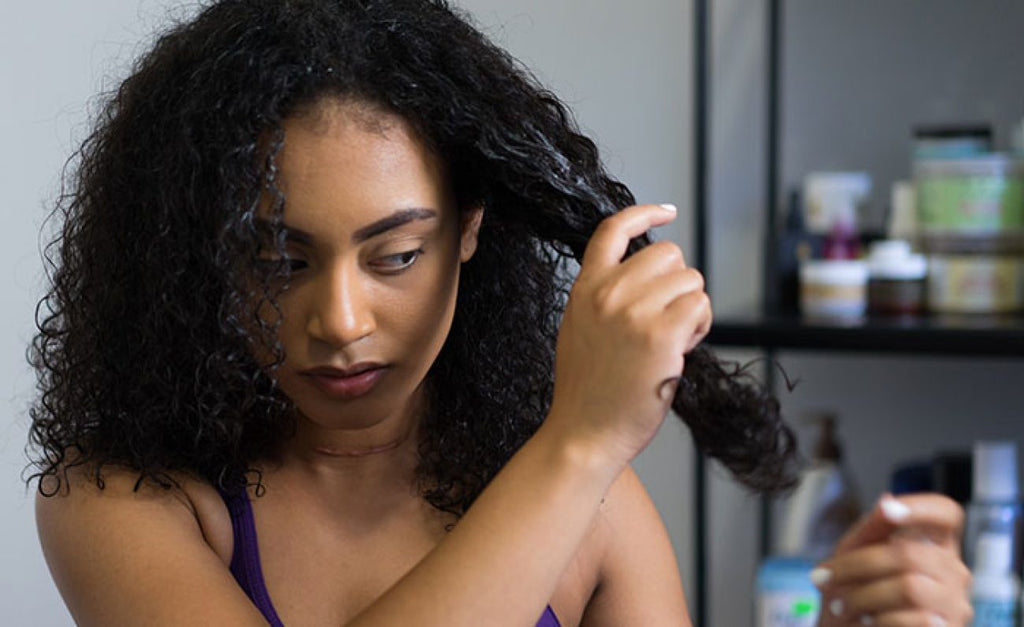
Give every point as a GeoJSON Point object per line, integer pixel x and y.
{"type": "Point", "coordinates": [358, 160]}
{"type": "Point", "coordinates": [343, 132]}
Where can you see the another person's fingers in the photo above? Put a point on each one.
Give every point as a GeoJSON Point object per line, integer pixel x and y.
{"type": "Point", "coordinates": [917, 618]}
{"type": "Point", "coordinates": [888, 559]}
{"type": "Point", "coordinates": [904, 592]}
{"type": "Point", "coordinates": [938, 516]}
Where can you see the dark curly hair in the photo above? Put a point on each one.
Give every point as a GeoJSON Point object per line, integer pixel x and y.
{"type": "Point", "coordinates": [145, 341]}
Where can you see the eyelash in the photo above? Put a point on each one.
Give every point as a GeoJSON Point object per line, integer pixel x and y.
{"type": "Point", "coordinates": [295, 265]}
{"type": "Point", "coordinates": [413, 255]}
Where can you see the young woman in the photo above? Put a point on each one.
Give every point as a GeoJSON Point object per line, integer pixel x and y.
{"type": "Point", "coordinates": [311, 357]}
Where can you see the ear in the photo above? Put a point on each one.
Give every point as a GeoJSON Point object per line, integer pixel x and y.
{"type": "Point", "coordinates": [471, 219]}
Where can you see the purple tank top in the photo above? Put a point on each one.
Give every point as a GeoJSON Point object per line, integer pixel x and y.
{"type": "Point", "coordinates": [245, 561]}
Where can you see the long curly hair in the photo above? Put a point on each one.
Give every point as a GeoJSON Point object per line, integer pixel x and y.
{"type": "Point", "coordinates": [145, 337]}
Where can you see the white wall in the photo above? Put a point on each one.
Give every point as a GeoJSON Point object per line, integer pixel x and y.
{"type": "Point", "coordinates": [54, 57]}
{"type": "Point", "coordinates": [623, 67]}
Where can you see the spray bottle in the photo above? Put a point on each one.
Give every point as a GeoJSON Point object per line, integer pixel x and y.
{"type": "Point", "coordinates": [993, 534]}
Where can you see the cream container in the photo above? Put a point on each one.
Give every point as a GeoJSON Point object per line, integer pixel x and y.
{"type": "Point", "coordinates": [896, 279]}
{"type": "Point", "coordinates": [833, 288]}
{"type": "Point", "coordinates": [982, 284]}
{"type": "Point", "coordinates": [971, 205]}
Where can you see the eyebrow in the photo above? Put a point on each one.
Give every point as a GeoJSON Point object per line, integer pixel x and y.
{"type": "Point", "coordinates": [393, 221]}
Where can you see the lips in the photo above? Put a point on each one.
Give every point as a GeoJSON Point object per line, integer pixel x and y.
{"type": "Point", "coordinates": [351, 382]}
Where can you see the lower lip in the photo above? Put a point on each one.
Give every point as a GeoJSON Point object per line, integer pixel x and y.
{"type": "Point", "coordinates": [348, 387]}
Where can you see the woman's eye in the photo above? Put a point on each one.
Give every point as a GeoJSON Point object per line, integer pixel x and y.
{"type": "Point", "coordinates": [398, 262]}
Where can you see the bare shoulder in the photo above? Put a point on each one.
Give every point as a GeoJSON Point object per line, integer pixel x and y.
{"type": "Point", "coordinates": [127, 549]}
{"type": "Point", "coordinates": [638, 581]}
{"type": "Point", "coordinates": [185, 500]}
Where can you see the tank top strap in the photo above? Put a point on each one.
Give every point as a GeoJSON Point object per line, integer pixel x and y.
{"type": "Point", "coordinates": [245, 557]}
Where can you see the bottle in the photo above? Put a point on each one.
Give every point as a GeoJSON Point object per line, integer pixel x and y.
{"type": "Point", "coordinates": [995, 588]}
{"type": "Point", "coordinates": [785, 595]}
{"type": "Point", "coordinates": [992, 537]}
{"type": "Point", "coordinates": [795, 246]}
{"type": "Point", "coordinates": [842, 241]}
{"type": "Point", "coordinates": [994, 507]}
{"type": "Point", "coordinates": [824, 505]}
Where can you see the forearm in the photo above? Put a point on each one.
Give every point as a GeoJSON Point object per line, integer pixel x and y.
{"type": "Point", "coordinates": [502, 562]}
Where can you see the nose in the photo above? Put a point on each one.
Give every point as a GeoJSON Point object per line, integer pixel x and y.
{"type": "Point", "coordinates": [342, 312]}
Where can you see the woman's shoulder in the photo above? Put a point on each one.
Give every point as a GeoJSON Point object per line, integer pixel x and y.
{"type": "Point", "coordinates": [625, 570]}
{"type": "Point", "coordinates": [117, 497]}
{"type": "Point", "coordinates": [128, 552]}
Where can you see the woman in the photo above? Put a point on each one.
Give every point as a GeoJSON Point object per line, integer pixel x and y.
{"type": "Point", "coordinates": [304, 360]}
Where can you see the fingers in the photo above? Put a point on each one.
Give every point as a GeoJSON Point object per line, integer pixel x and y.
{"type": "Point", "coordinates": [905, 618]}
{"type": "Point", "coordinates": [653, 286]}
{"type": "Point", "coordinates": [898, 602]}
{"type": "Point", "coordinates": [889, 559]}
{"type": "Point", "coordinates": [655, 276]}
{"type": "Point", "coordinates": [900, 565]}
{"type": "Point", "coordinates": [913, 618]}
{"type": "Point", "coordinates": [659, 286]}
{"type": "Point", "coordinates": [611, 238]}
{"type": "Point", "coordinates": [936, 516]}
{"type": "Point", "coordinates": [906, 592]}
{"type": "Point", "coordinates": [690, 314]}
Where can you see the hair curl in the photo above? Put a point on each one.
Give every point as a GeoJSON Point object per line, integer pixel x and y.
{"type": "Point", "coordinates": [143, 351]}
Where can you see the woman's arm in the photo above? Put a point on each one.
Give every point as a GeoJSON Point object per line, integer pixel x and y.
{"type": "Point", "coordinates": [125, 558]}
{"type": "Point", "coordinates": [639, 580]}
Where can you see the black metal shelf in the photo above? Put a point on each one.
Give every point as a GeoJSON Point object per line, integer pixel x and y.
{"type": "Point", "coordinates": [974, 336]}
{"type": "Point", "coordinates": [967, 336]}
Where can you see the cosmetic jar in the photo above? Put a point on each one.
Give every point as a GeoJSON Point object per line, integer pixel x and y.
{"type": "Point", "coordinates": [896, 279]}
{"type": "Point", "coordinates": [972, 205]}
{"type": "Point", "coordinates": [982, 284]}
{"type": "Point", "coordinates": [833, 288]}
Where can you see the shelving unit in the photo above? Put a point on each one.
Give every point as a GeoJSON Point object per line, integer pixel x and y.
{"type": "Point", "coordinates": [770, 330]}
{"type": "Point", "coordinates": [927, 335]}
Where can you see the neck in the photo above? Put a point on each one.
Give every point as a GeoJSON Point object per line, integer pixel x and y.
{"type": "Point", "coordinates": [370, 464]}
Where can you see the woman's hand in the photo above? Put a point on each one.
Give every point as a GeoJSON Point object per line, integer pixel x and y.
{"type": "Point", "coordinates": [899, 566]}
{"type": "Point", "coordinates": [626, 328]}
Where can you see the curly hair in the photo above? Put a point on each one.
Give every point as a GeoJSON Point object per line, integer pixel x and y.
{"type": "Point", "coordinates": [145, 336]}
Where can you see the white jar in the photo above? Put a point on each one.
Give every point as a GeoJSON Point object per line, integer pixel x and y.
{"type": "Point", "coordinates": [833, 288]}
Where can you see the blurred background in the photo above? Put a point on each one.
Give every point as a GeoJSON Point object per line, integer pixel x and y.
{"type": "Point", "coordinates": [857, 77]}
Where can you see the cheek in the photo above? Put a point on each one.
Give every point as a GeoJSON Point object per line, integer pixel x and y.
{"type": "Point", "coordinates": [427, 313]}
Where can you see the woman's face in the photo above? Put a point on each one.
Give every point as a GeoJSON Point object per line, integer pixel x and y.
{"type": "Point", "coordinates": [375, 240]}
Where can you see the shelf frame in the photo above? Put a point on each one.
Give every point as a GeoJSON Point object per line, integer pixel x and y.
{"type": "Point", "coordinates": [770, 330]}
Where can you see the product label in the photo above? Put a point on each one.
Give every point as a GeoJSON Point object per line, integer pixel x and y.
{"type": "Point", "coordinates": [787, 609]}
{"type": "Point", "coordinates": [971, 204]}
{"type": "Point", "coordinates": [981, 285]}
{"type": "Point", "coordinates": [994, 613]}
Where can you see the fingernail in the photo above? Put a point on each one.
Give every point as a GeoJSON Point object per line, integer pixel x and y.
{"type": "Point", "coordinates": [836, 607]}
{"type": "Point", "coordinates": [893, 509]}
{"type": "Point", "coordinates": [820, 576]}
{"type": "Point", "coordinates": [669, 207]}
{"type": "Point", "coordinates": [937, 621]}
{"type": "Point", "coordinates": [866, 620]}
